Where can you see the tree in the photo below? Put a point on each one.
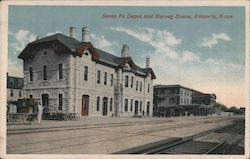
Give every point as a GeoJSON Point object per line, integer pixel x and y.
{"type": "Point", "coordinates": [221, 106]}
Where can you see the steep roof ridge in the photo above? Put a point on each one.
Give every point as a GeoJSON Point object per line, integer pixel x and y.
{"type": "Point", "coordinates": [74, 44]}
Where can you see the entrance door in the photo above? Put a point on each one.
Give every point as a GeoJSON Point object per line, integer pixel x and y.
{"type": "Point", "coordinates": [148, 105]}
{"type": "Point", "coordinates": [136, 107]}
{"type": "Point", "coordinates": [45, 103]}
{"type": "Point", "coordinates": [105, 106]}
{"type": "Point", "coordinates": [85, 105]}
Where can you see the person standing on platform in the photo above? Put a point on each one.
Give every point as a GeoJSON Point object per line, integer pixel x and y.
{"type": "Point", "coordinates": [40, 112]}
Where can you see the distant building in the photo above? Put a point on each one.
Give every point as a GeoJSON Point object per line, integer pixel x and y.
{"type": "Point", "coordinates": [177, 100]}
{"type": "Point", "coordinates": [14, 89]}
{"type": "Point", "coordinates": [74, 76]}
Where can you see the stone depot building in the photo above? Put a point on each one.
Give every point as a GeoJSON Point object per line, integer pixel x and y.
{"type": "Point", "coordinates": [72, 76]}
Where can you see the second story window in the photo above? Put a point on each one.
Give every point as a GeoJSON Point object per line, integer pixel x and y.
{"type": "Point", "coordinates": [136, 86]}
{"type": "Point", "coordinates": [44, 72]}
{"type": "Point", "coordinates": [111, 79]}
{"type": "Point", "coordinates": [140, 86]}
{"type": "Point", "coordinates": [20, 94]}
{"type": "Point", "coordinates": [148, 87]}
{"type": "Point", "coordinates": [105, 78]}
{"type": "Point", "coordinates": [60, 71]}
{"type": "Point", "coordinates": [31, 73]}
{"type": "Point", "coordinates": [98, 76]}
{"type": "Point", "coordinates": [86, 73]}
{"type": "Point", "coordinates": [132, 81]}
{"type": "Point", "coordinates": [126, 81]}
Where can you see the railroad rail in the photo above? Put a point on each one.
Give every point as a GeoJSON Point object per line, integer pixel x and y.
{"type": "Point", "coordinates": [191, 144]}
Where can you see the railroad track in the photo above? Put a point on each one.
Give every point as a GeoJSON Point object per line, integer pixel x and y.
{"type": "Point", "coordinates": [192, 144]}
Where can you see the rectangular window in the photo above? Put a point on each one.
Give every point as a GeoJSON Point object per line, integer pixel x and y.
{"type": "Point", "coordinates": [140, 86]}
{"type": "Point", "coordinates": [98, 76]}
{"type": "Point", "coordinates": [20, 82]}
{"type": "Point", "coordinates": [126, 81]}
{"type": "Point", "coordinates": [131, 105]}
{"type": "Point", "coordinates": [126, 105]}
{"type": "Point", "coordinates": [105, 78]}
{"type": "Point", "coordinates": [86, 70]}
{"type": "Point", "coordinates": [20, 94]}
{"type": "Point", "coordinates": [148, 87]}
{"type": "Point", "coordinates": [140, 106]}
{"type": "Point", "coordinates": [111, 104]}
{"type": "Point", "coordinates": [31, 73]}
{"type": "Point", "coordinates": [111, 79]}
{"type": "Point", "coordinates": [11, 81]}
{"type": "Point", "coordinates": [11, 93]}
{"type": "Point", "coordinates": [132, 81]}
{"type": "Point", "coordinates": [60, 101]}
{"type": "Point", "coordinates": [44, 72]}
{"type": "Point", "coordinates": [98, 104]}
{"type": "Point", "coordinates": [60, 71]}
{"type": "Point", "coordinates": [31, 96]}
{"type": "Point", "coordinates": [136, 85]}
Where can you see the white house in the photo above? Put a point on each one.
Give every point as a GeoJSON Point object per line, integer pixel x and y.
{"type": "Point", "coordinates": [73, 76]}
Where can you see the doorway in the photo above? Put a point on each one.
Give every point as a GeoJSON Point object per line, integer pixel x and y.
{"type": "Point", "coordinates": [45, 103]}
{"type": "Point", "coordinates": [85, 105]}
{"type": "Point", "coordinates": [148, 106]}
{"type": "Point", "coordinates": [105, 106]}
{"type": "Point", "coordinates": [136, 107]}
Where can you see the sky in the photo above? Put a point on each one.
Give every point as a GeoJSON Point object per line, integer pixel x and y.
{"type": "Point", "coordinates": [197, 47]}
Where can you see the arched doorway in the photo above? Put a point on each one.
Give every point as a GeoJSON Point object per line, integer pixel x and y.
{"type": "Point", "coordinates": [85, 105]}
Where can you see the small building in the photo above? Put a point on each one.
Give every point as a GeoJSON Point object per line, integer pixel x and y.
{"type": "Point", "coordinates": [72, 76]}
{"type": "Point", "coordinates": [14, 89]}
{"type": "Point", "coordinates": [177, 100]}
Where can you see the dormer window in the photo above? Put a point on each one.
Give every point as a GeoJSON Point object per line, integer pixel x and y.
{"type": "Point", "coordinates": [86, 52]}
{"type": "Point", "coordinates": [127, 67]}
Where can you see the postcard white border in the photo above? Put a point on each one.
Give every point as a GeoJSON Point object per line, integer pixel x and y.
{"type": "Point", "coordinates": [4, 60]}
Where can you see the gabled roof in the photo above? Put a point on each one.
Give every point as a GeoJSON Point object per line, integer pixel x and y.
{"type": "Point", "coordinates": [66, 40]}
{"type": "Point", "coordinates": [77, 48]}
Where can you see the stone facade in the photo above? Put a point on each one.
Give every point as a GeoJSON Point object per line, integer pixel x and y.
{"type": "Point", "coordinates": [85, 80]}
{"type": "Point", "coordinates": [14, 89]}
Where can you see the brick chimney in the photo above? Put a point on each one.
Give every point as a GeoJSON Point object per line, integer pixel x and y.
{"type": "Point", "coordinates": [147, 62]}
{"type": "Point", "coordinates": [85, 34]}
{"type": "Point", "coordinates": [72, 32]}
{"type": "Point", "coordinates": [125, 50]}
